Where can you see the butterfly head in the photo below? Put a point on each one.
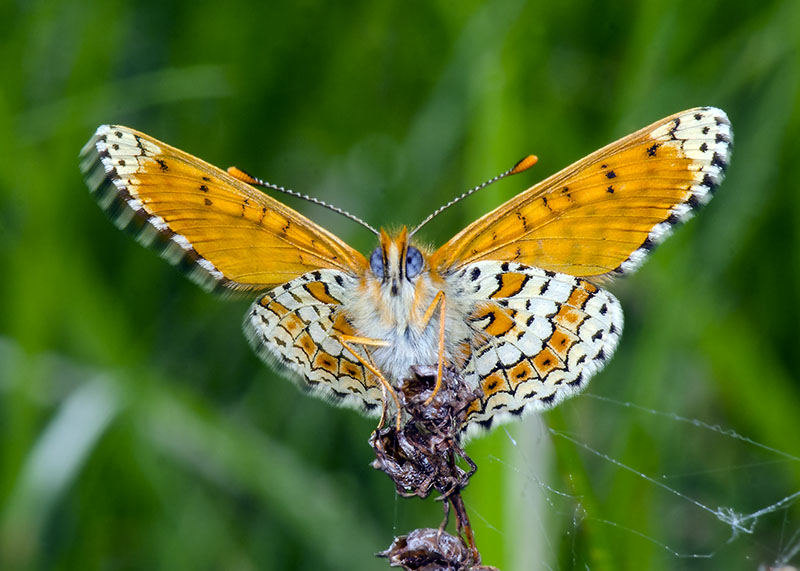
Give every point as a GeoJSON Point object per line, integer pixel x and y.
{"type": "Point", "coordinates": [396, 262]}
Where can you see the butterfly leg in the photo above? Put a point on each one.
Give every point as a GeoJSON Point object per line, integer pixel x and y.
{"type": "Point", "coordinates": [384, 396]}
{"type": "Point", "coordinates": [462, 524]}
{"type": "Point", "coordinates": [439, 299]}
{"type": "Point", "coordinates": [346, 341]}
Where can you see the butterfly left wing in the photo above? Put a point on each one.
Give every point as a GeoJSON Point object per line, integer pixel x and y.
{"type": "Point", "coordinates": [537, 336]}
{"type": "Point", "coordinates": [603, 214]}
{"type": "Point", "coordinates": [222, 232]}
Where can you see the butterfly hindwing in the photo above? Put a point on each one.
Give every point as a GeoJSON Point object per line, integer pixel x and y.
{"type": "Point", "coordinates": [603, 214]}
{"type": "Point", "coordinates": [295, 327]}
{"type": "Point", "coordinates": [224, 233]}
{"type": "Point", "coordinates": [538, 336]}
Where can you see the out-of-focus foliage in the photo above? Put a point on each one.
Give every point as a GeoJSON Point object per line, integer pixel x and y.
{"type": "Point", "coordinates": [137, 429]}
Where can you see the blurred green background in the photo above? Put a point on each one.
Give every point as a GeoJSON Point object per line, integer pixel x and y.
{"type": "Point", "coordinates": [137, 429]}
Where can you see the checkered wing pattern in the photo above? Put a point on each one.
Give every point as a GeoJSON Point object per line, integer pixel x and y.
{"type": "Point", "coordinates": [538, 337]}
{"type": "Point", "coordinates": [295, 328]}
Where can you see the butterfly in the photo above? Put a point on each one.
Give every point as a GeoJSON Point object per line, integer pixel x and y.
{"type": "Point", "coordinates": [513, 301]}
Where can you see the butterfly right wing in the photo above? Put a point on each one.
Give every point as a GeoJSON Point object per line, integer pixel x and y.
{"type": "Point", "coordinates": [294, 328]}
{"type": "Point", "coordinates": [538, 336]}
{"type": "Point", "coordinates": [222, 232]}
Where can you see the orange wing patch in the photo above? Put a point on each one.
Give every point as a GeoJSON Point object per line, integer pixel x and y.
{"type": "Point", "coordinates": [222, 231]}
{"type": "Point", "coordinates": [603, 214]}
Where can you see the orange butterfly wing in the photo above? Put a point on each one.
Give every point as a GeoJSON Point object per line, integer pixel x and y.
{"type": "Point", "coordinates": [604, 213]}
{"type": "Point", "coordinates": [224, 233]}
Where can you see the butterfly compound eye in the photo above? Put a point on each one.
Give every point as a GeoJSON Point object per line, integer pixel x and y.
{"type": "Point", "coordinates": [376, 262]}
{"type": "Point", "coordinates": [413, 262]}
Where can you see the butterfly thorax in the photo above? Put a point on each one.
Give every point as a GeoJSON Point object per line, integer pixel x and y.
{"type": "Point", "coordinates": [391, 303]}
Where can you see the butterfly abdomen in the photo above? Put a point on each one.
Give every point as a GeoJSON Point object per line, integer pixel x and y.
{"type": "Point", "coordinates": [398, 318]}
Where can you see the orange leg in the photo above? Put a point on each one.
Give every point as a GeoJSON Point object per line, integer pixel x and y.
{"type": "Point", "coordinates": [345, 340]}
{"type": "Point", "coordinates": [439, 299]}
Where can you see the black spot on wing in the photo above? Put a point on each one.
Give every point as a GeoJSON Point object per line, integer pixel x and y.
{"type": "Point", "coordinates": [719, 161]}
{"type": "Point", "coordinates": [578, 380]}
{"type": "Point", "coordinates": [709, 183]}
{"type": "Point", "coordinates": [338, 395]}
{"type": "Point", "coordinates": [675, 124]}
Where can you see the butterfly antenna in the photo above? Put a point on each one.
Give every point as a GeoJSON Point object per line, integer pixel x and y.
{"type": "Point", "coordinates": [521, 166]}
{"type": "Point", "coordinates": [239, 174]}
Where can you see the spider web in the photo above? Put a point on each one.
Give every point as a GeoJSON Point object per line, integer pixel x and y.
{"type": "Point", "coordinates": [703, 511]}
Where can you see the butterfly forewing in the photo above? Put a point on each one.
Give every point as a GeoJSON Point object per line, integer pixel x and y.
{"type": "Point", "coordinates": [295, 326]}
{"type": "Point", "coordinates": [538, 336]}
{"type": "Point", "coordinates": [224, 233]}
{"type": "Point", "coordinates": [604, 213]}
